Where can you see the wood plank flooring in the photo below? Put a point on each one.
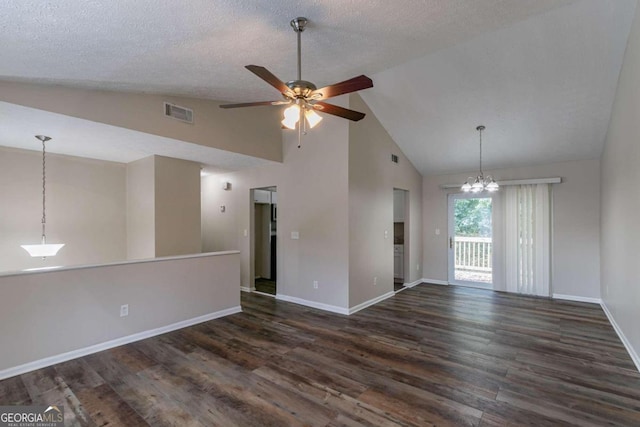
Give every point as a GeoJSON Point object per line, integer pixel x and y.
{"type": "Point", "coordinates": [266, 286]}
{"type": "Point", "coordinates": [431, 355]}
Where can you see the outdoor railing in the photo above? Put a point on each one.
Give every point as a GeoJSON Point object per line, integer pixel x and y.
{"type": "Point", "coordinates": [473, 253]}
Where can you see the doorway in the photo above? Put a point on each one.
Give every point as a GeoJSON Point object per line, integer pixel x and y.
{"type": "Point", "coordinates": [400, 238]}
{"type": "Point", "coordinates": [471, 240]}
{"type": "Point", "coordinates": [264, 236]}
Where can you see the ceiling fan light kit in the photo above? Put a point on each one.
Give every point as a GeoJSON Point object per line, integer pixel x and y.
{"type": "Point", "coordinates": [305, 100]}
{"type": "Point", "coordinates": [481, 183]}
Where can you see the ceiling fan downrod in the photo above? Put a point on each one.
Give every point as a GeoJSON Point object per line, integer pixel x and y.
{"type": "Point", "coordinates": [298, 25]}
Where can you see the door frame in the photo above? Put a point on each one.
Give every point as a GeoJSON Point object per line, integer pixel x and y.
{"type": "Point", "coordinates": [495, 239]}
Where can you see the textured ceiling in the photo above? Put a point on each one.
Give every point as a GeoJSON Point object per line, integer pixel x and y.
{"type": "Point", "coordinates": [540, 74]}
{"type": "Point", "coordinates": [544, 88]}
{"type": "Point", "coordinates": [199, 47]}
{"type": "Point", "coordinates": [84, 138]}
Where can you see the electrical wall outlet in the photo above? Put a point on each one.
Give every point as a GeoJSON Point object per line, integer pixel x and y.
{"type": "Point", "coordinates": [418, 267]}
{"type": "Point", "coordinates": [124, 310]}
{"type": "Point", "coordinates": [245, 233]}
{"type": "Point", "coordinates": [375, 281]}
{"type": "Point", "coordinates": [315, 284]}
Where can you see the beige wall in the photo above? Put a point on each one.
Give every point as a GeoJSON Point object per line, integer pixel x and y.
{"type": "Point", "coordinates": [177, 207]}
{"type": "Point", "coordinates": [47, 314]}
{"type": "Point", "coordinates": [372, 178]}
{"type": "Point", "coordinates": [219, 229]}
{"type": "Point", "coordinates": [141, 241]}
{"type": "Point", "coordinates": [620, 228]}
{"type": "Point", "coordinates": [248, 131]}
{"type": "Point", "coordinates": [85, 209]}
{"type": "Point", "coordinates": [312, 187]}
{"type": "Point", "coordinates": [163, 208]}
{"type": "Point", "coordinates": [337, 192]}
{"type": "Point", "coordinates": [576, 223]}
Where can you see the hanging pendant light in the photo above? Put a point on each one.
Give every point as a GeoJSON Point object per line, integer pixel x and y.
{"type": "Point", "coordinates": [481, 183]}
{"type": "Point", "coordinates": [44, 249]}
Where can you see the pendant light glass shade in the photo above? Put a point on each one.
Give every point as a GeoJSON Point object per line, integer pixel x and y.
{"type": "Point", "coordinates": [481, 183]}
{"type": "Point", "coordinates": [44, 249]}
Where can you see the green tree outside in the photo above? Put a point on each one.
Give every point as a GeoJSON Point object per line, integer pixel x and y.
{"type": "Point", "coordinates": [473, 217]}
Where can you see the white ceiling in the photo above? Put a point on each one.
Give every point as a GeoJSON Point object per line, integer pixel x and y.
{"type": "Point", "coordinates": [544, 88]}
{"type": "Point", "coordinates": [540, 74]}
{"type": "Point", "coordinates": [199, 47]}
{"type": "Point", "coordinates": [84, 138]}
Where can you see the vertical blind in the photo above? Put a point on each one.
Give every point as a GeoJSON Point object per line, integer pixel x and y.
{"type": "Point", "coordinates": [527, 239]}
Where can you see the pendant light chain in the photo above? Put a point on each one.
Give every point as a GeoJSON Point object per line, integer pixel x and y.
{"type": "Point", "coordinates": [43, 250]}
{"type": "Point", "coordinates": [44, 192]}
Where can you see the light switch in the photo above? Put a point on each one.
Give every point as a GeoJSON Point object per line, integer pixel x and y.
{"type": "Point", "coordinates": [295, 235]}
{"type": "Point", "coordinates": [245, 233]}
{"type": "Point", "coordinates": [437, 231]}
{"type": "Point", "coordinates": [386, 234]}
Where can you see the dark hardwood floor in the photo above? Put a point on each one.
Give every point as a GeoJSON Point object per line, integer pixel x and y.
{"type": "Point", "coordinates": [266, 286]}
{"type": "Point", "coordinates": [431, 355]}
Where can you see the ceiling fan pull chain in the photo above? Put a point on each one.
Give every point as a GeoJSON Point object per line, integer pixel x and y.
{"type": "Point", "coordinates": [301, 120]}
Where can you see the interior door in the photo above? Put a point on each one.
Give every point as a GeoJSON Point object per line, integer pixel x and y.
{"type": "Point", "coordinates": [472, 249]}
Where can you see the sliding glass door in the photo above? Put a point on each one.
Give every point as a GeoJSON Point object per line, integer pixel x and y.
{"type": "Point", "coordinates": [471, 240]}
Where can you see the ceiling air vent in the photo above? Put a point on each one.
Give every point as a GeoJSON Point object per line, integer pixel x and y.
{"type": "Point", "coordinates": [394, 158]}
{"type": "Point", "coordinates": [179, 113]}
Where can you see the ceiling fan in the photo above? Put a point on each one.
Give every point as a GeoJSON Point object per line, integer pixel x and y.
{"type": "Point", "coordinates": [303, 96]}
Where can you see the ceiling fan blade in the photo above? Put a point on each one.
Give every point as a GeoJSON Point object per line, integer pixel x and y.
{"type": "Point", "coordinates": [352, 85]}
{"type": "Point", "coordinates": [251, 104]}
{"type": "Point", "coordinates": [268, 77]}
{"type": "Point", "coordinates": [345, 113]}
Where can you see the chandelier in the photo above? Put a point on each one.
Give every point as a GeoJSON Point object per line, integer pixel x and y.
{"type": "Point", "coordinates": [481, 183]}
{"type": "Point", "coordinates": [44, 249]}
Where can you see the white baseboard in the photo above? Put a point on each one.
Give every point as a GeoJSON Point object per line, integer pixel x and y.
{"type": "Point", "coordinates": [74, 354]}
{"type": "Point", "coordinates": [435, 282]}
{"type": "Point", "coordinates": [412, 284]}
{"type": "Point", "coordinates": [621, 335]}
{"type": "Point", "coordinates": [313, 304]}
{"type": "Point", "coordinates": [577, 298]}
{"type": "Point", "coordinates": [245, 288]}
{"type": "Point", "coordinates": [371, 302]}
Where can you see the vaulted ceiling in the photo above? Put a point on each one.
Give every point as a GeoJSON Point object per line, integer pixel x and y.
{"type": "Point", "coordinates": [539, 74]}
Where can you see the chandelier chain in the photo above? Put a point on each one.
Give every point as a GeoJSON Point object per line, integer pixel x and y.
{"type": "Point", "coordinates": [481, 174]}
